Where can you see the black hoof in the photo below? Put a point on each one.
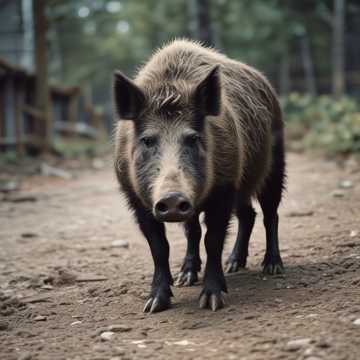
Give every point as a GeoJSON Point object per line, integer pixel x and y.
{"type": "Point", "coordinates": [188, 275]}
{"type": "Point", "coordinates": [188, 278]}
{"type": "Point", "coordinates": [158, 300]}
{"type": "Point", "coordinates": [273, 265]}
{"type": "Point", "coordinates": [211, 294]}
{"type": "Point", "coordinates": [156, 304]}
{"type": "Point", "coordinates": [213, 301]}
{"type": "Point", "coordinates": [234, 264]}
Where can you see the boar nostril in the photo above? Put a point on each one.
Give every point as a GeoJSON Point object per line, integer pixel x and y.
{"type": "Point", "coordinates": [184, 206]}
{"type": "Point", "coordinates": [161, 207]}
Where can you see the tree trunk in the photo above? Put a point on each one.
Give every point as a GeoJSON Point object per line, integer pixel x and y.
{"type": "Point", "coordinates": [308, 64]}
{"type": "Point", "coordinates": [284, 78]}
{"type": "Point", "coordinates": [338, 48]}
{"type": "Point", "coordinates": [200, 22]}
{"type": "Point", "coordinates": [42, 95]}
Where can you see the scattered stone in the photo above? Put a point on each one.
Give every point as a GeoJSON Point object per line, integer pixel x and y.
{"type": "Point", "coordinates": [338, 193]}
{"type": "Point", "coordinates": [40, 318]}
{"type": "Point", "coordinates": [323, 344]}
{"type": "Point", "coordinates": [48, 170]}
{"type": "Point", "coordinates": [78, 322]}
{"type": "Point", "coordinates": [119, 328]}
{"type": "Point", "coordinates": [26, 235]}
{"type": "Point", "coordinates": [4, 325]}
{"type": "Point", "coordinates": [357, 322]}
{"type": "Point", "coordinates": [90, 278]}
{"type": "Point", "coordinates": [47, 287]}
{"type": "Point", "coordinates": [353, 233]}
{"type": "Point", "coordinates": [183, 342]}
{"type": "Point", "coordinates": [120, 244]}
{"type": "Point", "coordinates": [25, 356]}
{"type": "Point", "coordinates": [345, 184]}
{"type": "Point", "coordinates": [309, 352]}
{"type": "Point", "coordinates": [300, 213]}
{"type": "Point", "coordinates": [295, 345]}
{"type": "Point", "coordinates": [106, 335]}
{"type": "Point", "coordinates": [19, 198]}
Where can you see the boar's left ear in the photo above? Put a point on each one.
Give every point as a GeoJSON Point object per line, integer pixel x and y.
{"type": "Point", "coordinates": [208, 93]}
{"type": "Point", "coordinates": [128, 97]}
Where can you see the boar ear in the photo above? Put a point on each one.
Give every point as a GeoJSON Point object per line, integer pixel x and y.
{"type": "Point", "coordinates": [128, 97]}
{"type": "Point", "coordinates": [208, 93]}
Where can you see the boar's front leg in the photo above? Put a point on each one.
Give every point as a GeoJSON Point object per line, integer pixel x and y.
{"type": "Point", "coordinates": [154, 232]}
{"type": "Point", "coordinates": [192, 263]}
{"type": "Point", "coordinates": [217, 214]}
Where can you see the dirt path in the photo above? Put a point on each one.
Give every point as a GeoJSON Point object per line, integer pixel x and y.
{"type": "Point", "coordinates": [52, 247]}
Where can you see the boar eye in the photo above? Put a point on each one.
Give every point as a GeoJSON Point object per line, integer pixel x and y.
{"type": "Point", "coordinates": [148, 141]}
{"type": "Point", "coordinates": [192, 140]}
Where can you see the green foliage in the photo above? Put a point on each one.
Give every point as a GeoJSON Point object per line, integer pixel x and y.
{"type": "Point", "coordinates": [323, 122]}
{"type": "Point", "coordinates": [75, 147]}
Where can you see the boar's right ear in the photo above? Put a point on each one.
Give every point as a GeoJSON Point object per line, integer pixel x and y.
{"type": "Point", "coordinates": [208, 93]}
{"type": "Point", "coordinates": [128, 97]}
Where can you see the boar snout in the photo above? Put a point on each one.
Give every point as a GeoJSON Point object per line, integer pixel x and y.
{"type": "Point", "coordinates": [173, 207]}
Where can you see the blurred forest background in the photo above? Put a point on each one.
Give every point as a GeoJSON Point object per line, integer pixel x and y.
{"type": "Point", "coordinates": [309, 49]}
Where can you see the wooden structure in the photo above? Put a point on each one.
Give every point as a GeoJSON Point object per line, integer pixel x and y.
{"type": "Point", "coordinates": [22, 123]}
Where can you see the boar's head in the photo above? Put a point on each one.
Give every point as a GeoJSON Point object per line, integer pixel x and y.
{"type": "Point", "coordinates": [171, 150]}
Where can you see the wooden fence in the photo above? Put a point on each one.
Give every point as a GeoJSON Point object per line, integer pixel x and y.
{"type": "Point", "coordinates": [22, 124]}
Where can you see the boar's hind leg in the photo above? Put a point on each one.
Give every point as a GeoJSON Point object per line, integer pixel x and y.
{"type": "Point", "coordinates": [237, 259]}
{"type": "Point", "coordinates": [217, 214]}
{"type": "Point", "coordinates": [269, 199]}
{"type": "Point", "coordinates": [192, 263]}
{"type": "Point", "coordinates": [154, 233]}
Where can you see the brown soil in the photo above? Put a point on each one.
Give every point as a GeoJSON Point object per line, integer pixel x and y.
{"type": "Point", "coordinates": [63, 282]}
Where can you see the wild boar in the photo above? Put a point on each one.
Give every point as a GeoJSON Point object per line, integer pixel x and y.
{"type": "Point", "coordinates": [199, 132]}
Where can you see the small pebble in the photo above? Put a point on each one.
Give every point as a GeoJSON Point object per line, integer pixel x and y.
{"type": "Point", "coordinates": [40, 318]}
{"type": "Point", "coordinates": [28, 235]}
{"type": "Point", "coordinates": [323, 344]}
{"type": "Point", "coordinates": [294, 345]}
{"type": "Point", "coordinates": [353, 233]}
{"type": "Point", "coordinates": [106, 335]}
{"type": "Point", "coordinates": [120, 244]}
{"type": "Point", "coordinates": [345, 184]}
{"type": "Point", "coordinates": [78, 322]}
{"type": "Point", "coordinates": [119, 328]}
{"type": "Point", "coordinates": [338, 193]}
{"type": "Point", "coordinates": [356, 322]}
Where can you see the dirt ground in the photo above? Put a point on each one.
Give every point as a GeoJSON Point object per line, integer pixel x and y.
{"type": "Point", "coordinates": [75, 273]}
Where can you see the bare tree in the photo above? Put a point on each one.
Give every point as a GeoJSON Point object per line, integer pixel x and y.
{"type": "Point", "coordinates": [42, 96]}
{"type": "Point", "coordinates": [200, 21]}
{"type": "Point", "coordinates": [284, 71]}
{"type": "Point", "coordinates": [338, 48]}
{"type": "Point", "coordinates": [308, 63]}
